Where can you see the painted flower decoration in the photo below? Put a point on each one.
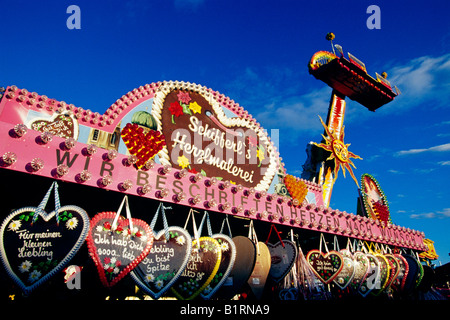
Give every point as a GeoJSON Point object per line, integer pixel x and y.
{"type": "Point", "coordinates": [195, 107]}
{"type": "Point", "coordinates": [149, 277]}
{"type": "Point", "coordinates": [184, 97]}
{"type": "Point", "coordinates": [25, 266]}
{"type": "Point", "coordinates": [72, 223]}
{"type": "Point", "coordinates": [14, 225]}
{"type": "Point", "coordinates": [181, 240]}
{"type": "Point", "coordinates": [176, 110]}
{"type": "Point", "coordinates": [224, 246]}
{"type": "Point", "coordinates": [34, 276]}
{"type": "Point", "coordinates": [183, 162]}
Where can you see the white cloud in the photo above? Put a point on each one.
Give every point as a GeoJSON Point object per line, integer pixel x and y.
{"type": "Point", "coordinates": [439, 148]}
{"type": "Point", "coordinates": [445, 213]}
{"type": "Point", "coordinates": [422, 79]}
{"type": "Point", "coordinates": [444, 163]}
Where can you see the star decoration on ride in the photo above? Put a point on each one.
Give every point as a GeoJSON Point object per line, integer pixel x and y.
{"type": "Point", "coordinates": [339, 151]}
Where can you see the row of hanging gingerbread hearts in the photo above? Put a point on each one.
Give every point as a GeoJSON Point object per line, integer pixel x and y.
{"type": "Point", "coordinates": [363, 272]}
{"type": "Point", "coordinates": [117, 245]}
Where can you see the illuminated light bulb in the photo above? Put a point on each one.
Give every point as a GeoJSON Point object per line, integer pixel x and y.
{"type": "Point", "coordinates": [236, 189]}
{"type": "Point", "coordinates": [91, 149]}
{"type": "Point", "coordinates": [263, 215]}
{"type": "Point", "coordinates": [46, 137]}
{"type": "Point", "coordinates": [165, 169]}
{"type": "Point", "coordinates": [112, 154]}
{"type": "Point", "coordinates": [20, 129]}
{"type": "Point", "coordinates": [224, 185]}
{"type": "Point", "coordinates": [249, 192]}
{"type": "Point", "coordinates": [261, 194]}
{"type": "Point", "coordinates": [70, 143]}
{"type": "Point", "coordinates": [239, 209]}
{"type": "Point", "coordinates": [37, 164]}
{"type": "Point", "coordinates": [149, 165]}
{"type": "Point", "coordinates": [162, 193]}
{"type": "Point", "coordinates": [211, 182]}
{"type": "Point", "coordinates": [84, 176]}
{"type": "Point", "coordinates": [225, 206]}
{"type": "Point", "coordinates": [146, 188]}
{"type": "Point", "coordinates": [126, 185]}
{"type": "Point", "coordinates": [196, 199]}
{"type": "Point", "coordinates": [274, 216]}
{"type": "Point", "coordinates": [180, 196]}
{"type": "Point", "coordinates": [181, 174]}
{"type": "Point", "coordinates": [62, 170]}
{"type": "Point", "coordinates": [250, 212]}
{"type": "Point", "coordinates": [9, 158]}
{"type": "Point", "coordinates": [106, 180]}
{"type": "Point", "coordinates": [132, 159]}
{"type": "Point", "coordinates": [211, 203]}
{"type": "Point", "coordinates": [297, 220]}
{"type": "Point", "coordinates": [197, 177]}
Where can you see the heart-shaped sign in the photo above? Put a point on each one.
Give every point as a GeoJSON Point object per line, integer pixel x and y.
{"type": "Point", "coordinates": [361, 263]}
{"type": "Point", "coordinates": [204, 138]}
{"type": "Point", "coordinates": [226, 265]}
{"type": "Point", "coordinates": [33, 251]}
{"type": "Point", "coordinates": [203, 264]}
{"type": "Point", "coordinates": [165, 262]}
{"type": "Point", "coordinates": [325, 266]}
{"type": "Point", "coordinates": [242, 268]}
{"type": "Point", "coordinates": [258, 278]}
{"type": "Point", "coordinates": [384, 274]}
{"type": "Point", "coordinates": [403, 268]}
{"type": "Point", "coordinates": [61, 125]}
{"type": "Point", "coordinates": [347, 273]}
{"type": "Point", "coordinates": [144, 144]}
{"type": "Point", "coordinates": [297, 188]}
{"type": "Point", "coordinates": [372, 279]}
{"type": "Point", "coordinates": [116, 250]}
{"type": "Point", "coordinates": [394, 269]}
{"type": "Point", "coordinates": [283, 256]}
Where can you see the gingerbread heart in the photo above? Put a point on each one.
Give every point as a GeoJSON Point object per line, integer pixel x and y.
{"type": "Point", "coordinates": [203, 264]}
{"type": "Point", "coordinates": [165, 263]}
{"type": "Point", "coordinates": [257, 280]}
{"type": "Point", "coordinates": [384, 274]}
{"type": "Point", "coordinates": [143, 143]}
{"type": "Point", "coordinates": [61, 125]}
{"type": "Point", "coordinates": [34, 251]}
{"type": "Point", "coordinates": [226, 265]}
{"type": "Point", "coordinates": [117, 250]}
{"type": "Point", "coordinates": [242, 268]}
{"type": "Point", "coordinates": [361, 263]}
{"type": "Point", "coordinates": [283, 256]}
{"type": "Point", "coordinates": [204, 138]}
{"type": "Point", "coordinates": [345, 277]}
{"type": "Point", "coordinates": [372, 279]}
{"type": "Point", "coordinates": [394, 269]}
{"type": "Point", "coordinates": [297, 188]}
{"type": "Point", "coordinates": [403, 269]}
{"type": "Point", "coordinates": [325, 266]}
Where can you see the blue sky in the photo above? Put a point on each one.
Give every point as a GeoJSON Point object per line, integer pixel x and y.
{"type": "Point", "coordinates": [256, 52]}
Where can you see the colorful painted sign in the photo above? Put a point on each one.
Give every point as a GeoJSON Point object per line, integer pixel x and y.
{"type": "Point", "coordinates": [100, 159]}
{"type": "Point", "coordinates": [374, 199]}
{"type": "Point", "coordinates": [35, 245]}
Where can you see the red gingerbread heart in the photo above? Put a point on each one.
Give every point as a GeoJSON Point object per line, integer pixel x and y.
{"type": "Point", "coordinates": [117, 250]}
{"type": "Point", "coordinates": [143, 143]}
